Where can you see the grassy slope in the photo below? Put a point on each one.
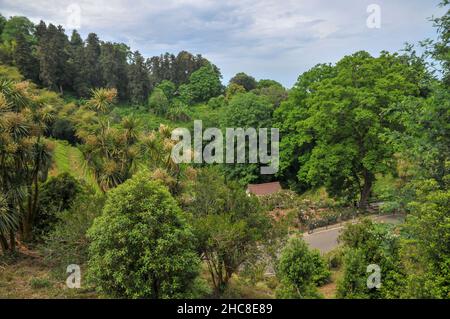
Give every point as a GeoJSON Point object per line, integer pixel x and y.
{"type": "Point", "coordinates": [69, 159]}
{"type": "Point", "coordinates": [28, 276]}
{"type": "Point", "coordinates": [150, 121]}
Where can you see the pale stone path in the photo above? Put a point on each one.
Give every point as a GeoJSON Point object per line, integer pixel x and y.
{"type": "Point", "coordinates": [325, 239]}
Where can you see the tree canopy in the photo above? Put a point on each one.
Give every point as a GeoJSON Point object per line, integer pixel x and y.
{"type": "Point", "coordinates": [141, 245]}
{"type": "Point", "coordinates": [339, 116]}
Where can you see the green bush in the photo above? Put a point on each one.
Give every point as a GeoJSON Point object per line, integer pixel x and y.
{"type": "Point", "coordinates": [168, 87]}
{"type": "Point", "coordinates": [185, 94]}
{"type": "Point", "coordinates": [205, 84]}
{"type": "Point", "coordinates": [66, 243]}
{"type": "Point", "coordinates": [353, 284]}
{"type": "Point", "coordinates": [178, 112]}
{"type": "Point", "coordinates": [141, 245]}
{"type": "Point", "coordinates": [299, 271]}
{"type": "Point", "coordinates": [158, 102]}
{"type": "Point", "coordinates": [63, 129]}
{"type": "Point", "coordinates": [57, 194]}
{"type": "Point", "coordinates": [322, 272]}
{"type": "Point", "coordinates": [216, 102]}
{"type": "Point", "coordinates": [230, 227]}
{"type": "Point", "coordinates": [367, 243]}
{"type": "Point", "coordinates": [246, 81]}
{"type": "Point", "coordinates": [334, 258]}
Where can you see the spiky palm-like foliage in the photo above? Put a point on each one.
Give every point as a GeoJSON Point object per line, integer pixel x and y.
{"type": "Point", "coordinates": [102, 99]}
{"type": "Point", "coordinates": [110, 152]}
{"type": "Point", "coordinates": [24, 159]}
{"type": "Point", "coordinates": [9, 221]}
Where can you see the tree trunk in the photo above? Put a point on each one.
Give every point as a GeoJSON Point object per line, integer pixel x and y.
{"type": "Point", "coordinates": [12, 241]}
{"type": "Point", "coordinates": [26, 235]}
{"type": "Point", "coordinates": [3, 243]}
{"type": "Point", "coordinates": [26, 222]}
{"type": "Point", "coordinates": [35, 200]}
{"type": "Point", "coordinates": [366, 190]}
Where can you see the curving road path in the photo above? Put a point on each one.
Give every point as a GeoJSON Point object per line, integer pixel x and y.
{"type": "Point", "coordinates": [325, 239]}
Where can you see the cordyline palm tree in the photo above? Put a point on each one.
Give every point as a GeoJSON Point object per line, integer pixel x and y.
{"type": "Point", "coordinates": [130, 125]}
{"type": "Point", "coordinates": [24, 159]}
{"type": "Point", "coordinates": [109, 151]}
{"type": "Point", "coordinates": [112, 152]}
{"type": "Point", "coordinates": [9, 223]}
{"type": "Point", "coordinates": [41, 158]}
{"type": "Point", "coordinates": [102, 99]}
{"type": "Point", "coordinates": [13, 95]}
{"type": "Point", "coordinates": [156, 151]}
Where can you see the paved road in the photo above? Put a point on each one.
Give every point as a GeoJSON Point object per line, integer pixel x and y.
{"type": "Point", "coordinates": [325, 240]}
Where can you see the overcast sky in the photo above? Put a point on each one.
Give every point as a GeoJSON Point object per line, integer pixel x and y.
{"type": "Point", "coordinates": [276, 39]}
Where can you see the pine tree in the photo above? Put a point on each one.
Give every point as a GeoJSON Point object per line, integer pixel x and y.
{"type": "Point", "coordinates": [80, 84]}
{"type": "Point", "coordinates": [92, 61]}
{"type": "Point", "coordinates": [113, 63]}
{"type": "Point", "coordinates": [40, 30]}
{"type": "Point", "coordinates": [53, 58]}
{"type": "Point", "coordinates": [2, 23]}
{"type": "Point", "coordinates": [138, 83]}
{"type": "Point", "coordinates": [24, 59]}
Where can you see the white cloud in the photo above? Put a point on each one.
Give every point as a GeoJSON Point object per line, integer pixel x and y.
{"type": "Point", "coordinates": [268, 38]}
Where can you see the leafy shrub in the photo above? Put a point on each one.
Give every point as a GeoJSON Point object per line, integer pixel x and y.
{"type": "Point", "coordinates": [297, 271]}
{"type": "Point", "coordinates": [158, 102]}
{"type": "Point", "coordinates": [368, 243]}
{"type": "Point", "coordinates": [57, 194]}
{"type": "Point", "coordinates": [205, 83]}
{"type": "Point", "coordinates": [230, 226]}
{"type": "Point", "coordinates": [63, 129]}
{"type": "Point", "coordinates": [275, 94]}
{"type": "Point", "coordinates": [353, 284]}
{"type": "Point", "coordinates": [246, 81]}
{"type": "Point", "coordinates": [322, 272]}
{"type": "Point", "coordinates": [216, 102]}
{"type": "Point", "coordinates": [141, 245]}
{"type": "Point", "coordinates": [66, 243]}
{"type": "Point", "coordinates": [178, 113]}
{"type": "Point", "coordinates": [185, 94]}
{"type": "Point", "coordinates": [232, 90]}
{"type": "Point", "coordinates": [168, 87]}
{"type": "Point", "coordinates": [391, 207]}
{"type": "Point", "coordinates": [335, 258]}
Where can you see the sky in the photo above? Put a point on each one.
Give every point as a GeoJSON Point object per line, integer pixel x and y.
{"type": "Point", "coordinates": [268, 39]}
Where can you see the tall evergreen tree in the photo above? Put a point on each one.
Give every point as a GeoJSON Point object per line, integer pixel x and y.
{"type": "Point", "coordinates": [40, 30]}
{"type": "Point", "coordinates": [2, 23]}
{"type": "Point", "coordinates": [24, 58]}
{"type": "Point", "coordinates": [92, 61]}
{"type": "Point", "coordinates": [80, 84]}
{"type": "Point", "coordinates": [175, 69]}
{"type": "Point", "coordinates": [113, 63]}
{"type": "Point", "coordinates": [138, 80]}
{"type": "Point", "coordinates": [53, 58]}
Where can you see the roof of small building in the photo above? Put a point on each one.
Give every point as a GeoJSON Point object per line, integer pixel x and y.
{"type": "Point", "coordinates": [264, 188]}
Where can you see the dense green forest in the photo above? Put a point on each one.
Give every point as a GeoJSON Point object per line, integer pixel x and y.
{"type": "Point", "coordinates": [87, 177]}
